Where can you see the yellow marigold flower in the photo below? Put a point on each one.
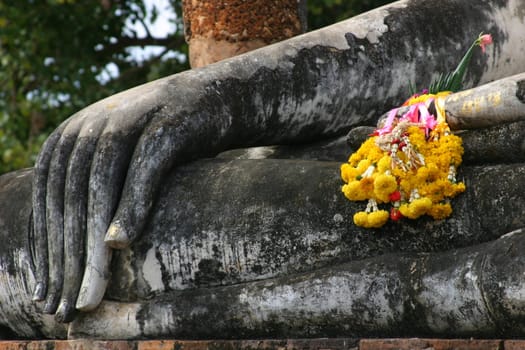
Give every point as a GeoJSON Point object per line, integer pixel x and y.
{"type": "Point", "coordinates": [361, 219]}
{"type": "Point", "coordinates": [354, 159]}
{"type": "Point", "coordinates": [404, 209]}
{"type": "Point", "coordinates": [451, 146]}
{"type": "Point", "coordinates": [384, 164]}
{"type": "Point", "coordinates": [363, 165]}
{"type": "Point", "coordinates": [406, 184]}
{"type": "Point", "coordinates": [435, 190]}
{"type": "Point", "coordinates": [416, 136]}
{"type": "Point", "coordinates": [415, 180]}
{"type": "Point", "coordinates": [416, 208]}
{"type": "Point", "coordinates": [429, 172]}
{"type": "Point", "coordinates": [368, 150]}
{"type": "Point", "coordinates": [440, 211]}
{"type": "Point", "coordinates": [384, 185]}
{"type": "Point", "coordinates": [366, 185]}
{"type": "Point", "coordinates": [374, 219]}
{"type": "Point", "coordinates": [378, 218]}
{"type": "Point", "coordinates": [353, 191]}
{"type": "Point", "coordinates": [453, 141]}
{"type": "Point", "coordinates": [423, 173]}
{"type": "Point", "coordinates": [348, 172]}
{"type": "Point", "coordinates": [442, 161]}
{"type": "Point", "coordinates": [420, 206]}
{"type": "Point", "coordinates": [451, 190]}
{"type": "Point", "coordinates": [375, 154]}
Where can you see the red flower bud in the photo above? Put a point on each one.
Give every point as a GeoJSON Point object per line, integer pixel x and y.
{"type": "Point", "coordinates": [395, 196]}
{"type": "Point", "coordinates": [395, 214]}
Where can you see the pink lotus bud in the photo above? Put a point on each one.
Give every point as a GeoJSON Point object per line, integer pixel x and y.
{"type": "Point", "coordinates": [484, 40]}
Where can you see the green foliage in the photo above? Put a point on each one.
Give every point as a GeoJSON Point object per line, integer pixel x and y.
{"type": "Point", "coordinates": [58, 56]}
{"type": "Point", "coordinates": [54, 60]}
{"type": "Point", "coordinates": [453, 81]}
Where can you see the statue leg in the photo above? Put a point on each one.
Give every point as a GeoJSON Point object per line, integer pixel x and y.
{"type": "Point", "coordinates": [470, 292]}
{"type": "Point", "coordinates": [210, 213]}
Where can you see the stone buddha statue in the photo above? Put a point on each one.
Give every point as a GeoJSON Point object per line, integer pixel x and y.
{"type": "Point", "coordinates": [140, 220]}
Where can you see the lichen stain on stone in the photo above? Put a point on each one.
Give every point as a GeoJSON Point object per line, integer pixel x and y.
{"type": "Point", "coordinates": [520, 92]}
{"type": "Point", "coordinates": [210, 273]}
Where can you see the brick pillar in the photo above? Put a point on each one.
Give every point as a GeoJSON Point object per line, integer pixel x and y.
{"type": "Point", "coordinates": [218, 29]}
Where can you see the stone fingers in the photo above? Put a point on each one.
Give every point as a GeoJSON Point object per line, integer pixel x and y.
{"type": "Point", "coordinates": [166, 142]}
{"type": "Point", "coordinates": [55, 212]}
{"type": "Point", "coordinates": [75, 210]}
{"type": "Point", "coordinates": [153, 157]}
{"type": "Point", "coordinates": [98, 256]}
{"type": "Point", "coordinates": [39, 212]}
{"type": "Point", "coordinates": [108, 172]}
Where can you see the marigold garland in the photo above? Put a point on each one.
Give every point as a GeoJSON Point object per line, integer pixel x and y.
{"type": "Point", "coordinates": [411, 159]}
{"type": "Point", "coordinates": [410, 162]}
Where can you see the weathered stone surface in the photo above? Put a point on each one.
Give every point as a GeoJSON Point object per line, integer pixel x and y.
{"type": "Point", "coordinates": [499, 101]}
{"type": "Point", "coordinates": [18, 314]}
{"type": "Point", "coordinates": [304, 89]}
{"type": "Point", "coordinates": [299, 222]}
{"type": "Point", "coordinates": [273, 255]}
{"type": "Point", "coordinates": [280, 216]}
{"type": "Point", "coordinates": [394, 294]}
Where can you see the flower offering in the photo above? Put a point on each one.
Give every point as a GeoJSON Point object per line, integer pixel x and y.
{"type": "Point", "coordinates": [410, 161]}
